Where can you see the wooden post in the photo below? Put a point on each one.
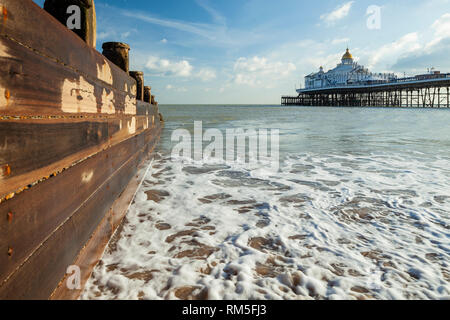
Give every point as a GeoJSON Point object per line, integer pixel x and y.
{"type": "Point", "coordinates": [147, 94]}
{"type": "Point", "coordinates": [139, 77]}
{"type": "Point", "coordinates": [60, 9]}
{"type": "Point", "coordinates": [117, 53]}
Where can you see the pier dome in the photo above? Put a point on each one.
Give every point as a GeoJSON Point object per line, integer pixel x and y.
{"type": "Point", "coordinates": [347, 55]}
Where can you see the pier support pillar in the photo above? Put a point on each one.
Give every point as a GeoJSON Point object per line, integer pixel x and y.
{"type": "Point", "coordinates": [147, 94]}
{"type": "Point", "coordinates": [139, 77]}
{"type": "Point", "coordinates": [118, 53]}
{"type": "Point", "coordinates": [81, 19]}
{"type": "Point", "coordinates": [152, 99]}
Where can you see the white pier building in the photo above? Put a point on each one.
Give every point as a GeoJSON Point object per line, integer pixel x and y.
{"type": "Point", "coordinates": [348, 72]}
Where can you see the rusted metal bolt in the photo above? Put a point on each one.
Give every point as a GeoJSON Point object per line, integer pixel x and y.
{"type": "Point", "coordinates": [10, 217]}
{"type": "Point", "coordinates": [6, 170]}
{"type": "Point", "coordinates": [10, 251]}
{"type": "Point", "coordinates": [7, 94]}
{"type": "Point", "coordinates": [5, 13]}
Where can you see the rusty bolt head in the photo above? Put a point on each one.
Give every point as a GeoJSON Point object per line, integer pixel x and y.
{"type": "Point", "coordinates": [7, 94]}
{"type": "Point", "coordinates": [6, 170]}
{"type": "Point", "coordinates": [10, 251]}
{"type": "Point", "coordinates": [10, 196]}
{"type": "Point", "coordinates": [5, 13]}
{"type": "Point", "coordinates": [10, 217]}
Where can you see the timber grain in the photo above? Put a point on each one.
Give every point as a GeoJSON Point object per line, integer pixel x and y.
{"type": "Point", "coordinates": [72, 137]}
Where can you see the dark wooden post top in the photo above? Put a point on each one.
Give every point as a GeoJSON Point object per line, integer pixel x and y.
{"type": "Point", "coordinates": [88, 26]}
{"type": "Point", "coordinates": [117, 53]}
{"type": "Point", "coordinates": [139, 77]}
{"type": "Point", "coordinates": [148, 94]}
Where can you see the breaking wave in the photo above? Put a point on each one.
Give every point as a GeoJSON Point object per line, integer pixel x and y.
{"type": "Point", "coordinates": [336, 226]}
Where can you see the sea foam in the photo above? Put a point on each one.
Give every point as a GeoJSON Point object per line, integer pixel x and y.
{"type": "Point", "coordinates": [325, 227]}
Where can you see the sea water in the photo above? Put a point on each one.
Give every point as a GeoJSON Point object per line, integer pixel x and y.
{"type": "Point", "coordinates": [359, 209]}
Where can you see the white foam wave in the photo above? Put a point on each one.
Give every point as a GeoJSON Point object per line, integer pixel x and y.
{"type": "Point", "coordinates": [324, 227]}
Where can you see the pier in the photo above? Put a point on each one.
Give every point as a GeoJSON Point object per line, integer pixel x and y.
{"type": "Point", "coordinates": [426, 91]}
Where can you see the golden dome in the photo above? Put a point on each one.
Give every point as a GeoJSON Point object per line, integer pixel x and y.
{"type": "Point", "coordinates": [347, 55]}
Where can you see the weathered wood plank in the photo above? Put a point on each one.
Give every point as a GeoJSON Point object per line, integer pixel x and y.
{"type": "Point", "coordinates": [40, 210]}
{"type": "Point", "coordinates": [93, 251]}
{"type": "Point", "coordinates": [32, 149]}
{"type": "Point", "coordinates": [41, 273]}
{"type": "Point", "coordinates": [34, 85]}
{"type": "Point", "coordinates": [33, 27]}
{"type": "Point", "coordinates": [31, 145]}
{"type": "Point", "coordinates": [63, 108]}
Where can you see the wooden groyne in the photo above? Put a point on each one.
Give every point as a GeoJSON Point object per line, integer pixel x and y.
{"type": "Point", "coordinates": [75, 128]}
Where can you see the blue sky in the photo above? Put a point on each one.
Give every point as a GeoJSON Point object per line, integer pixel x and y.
{"type": "Point", "coordinates": [254, 51]}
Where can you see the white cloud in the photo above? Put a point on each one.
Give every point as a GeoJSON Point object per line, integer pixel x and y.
{"type": "Point", "coordinates": [216, 33]}
{"type": "Point", "coordinates": [260, 72]}
{"type": "Point", "coordinates": [388, 54]}
{"type": "Point", "coordinates": [114, 34]}
{"type": "Point", "coordinates": [338, 14]}
{"type": "Point", "coordinates": [206, 74]}
{"type": "Point", "coordinates": [170, 87]}
{"type": "Point", "coordinates": [431, 53]}
{"type": "Point", "coordinates": [339, 41]}
{"type": "Point", "coordinates": [164, 41]}
{"type": "Point", "coordinates": [204, 30]}
{"type": "Point", "coordinates": [166, 67]}
{"type": "Point", "coordinates": [415, 51]}
{"type": "Point", "coordinates": [125, 35]}
{"type": "Point", "coordinates": [412, 52]}
{"type": "Point", "coordinates": [104, 35]}
{"type": "Point", "coordinates": [442, 26]}
{"type": "Point", "coordinates": [218, 18]}
{"type": "Point", "coordinates": [182, 68]}
{"type": "Point", "coordinates": [441, 29]}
